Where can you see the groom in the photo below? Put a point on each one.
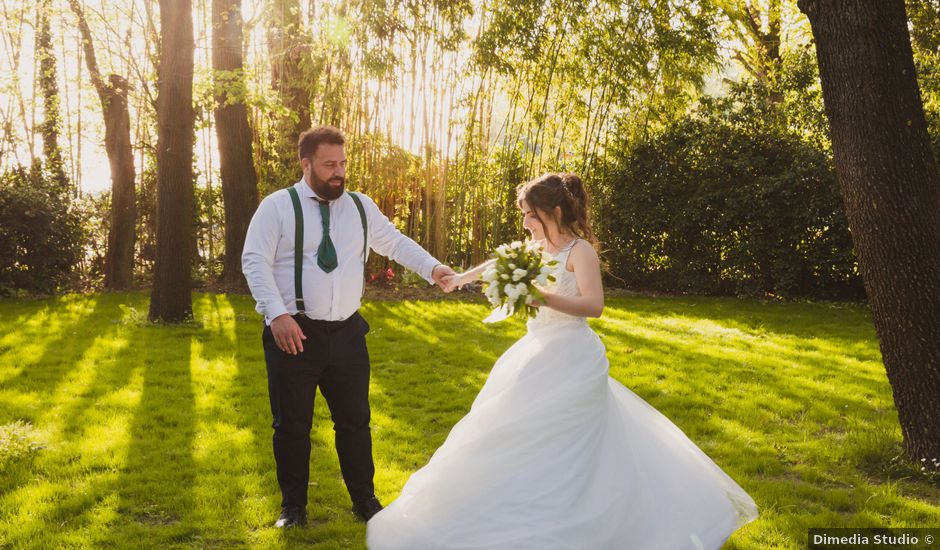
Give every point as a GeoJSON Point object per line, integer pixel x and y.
{"type": "Point", "coordinates": [314, 336]}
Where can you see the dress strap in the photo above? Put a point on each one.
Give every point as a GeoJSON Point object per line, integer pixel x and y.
{"type": "Point", "coordinates": [570, 245]}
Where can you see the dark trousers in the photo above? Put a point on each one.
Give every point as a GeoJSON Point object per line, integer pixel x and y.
{"type": "Point", "coordinates": [335, 358]}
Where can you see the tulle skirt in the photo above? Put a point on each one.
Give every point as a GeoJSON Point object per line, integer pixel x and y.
{"type": "Point", "coordinates": [556, 454]}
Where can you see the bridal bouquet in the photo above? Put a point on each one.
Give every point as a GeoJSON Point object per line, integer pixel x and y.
{"type": "Point", "coordinates": [509, 284]}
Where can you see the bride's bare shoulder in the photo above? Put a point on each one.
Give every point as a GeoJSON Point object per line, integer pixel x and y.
{"type": "Point", "coordinates": [582, 254]}
{"type": "Point", "coordinates": [583, 249]}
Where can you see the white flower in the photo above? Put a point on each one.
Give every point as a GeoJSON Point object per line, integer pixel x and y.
{"type": "Point", "coordinates": [511, 281]}
{"type": "Point", "coordinates": [492, 294]}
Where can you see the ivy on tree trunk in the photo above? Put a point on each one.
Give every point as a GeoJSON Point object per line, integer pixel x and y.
{"type": "Point", "coordinates": [239, 180]}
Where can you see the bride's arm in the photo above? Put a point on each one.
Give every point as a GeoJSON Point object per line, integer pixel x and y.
{"type": "Point", "coordinates": [587, 273]}
{"type": "Point", "coordinates": [472, 274]}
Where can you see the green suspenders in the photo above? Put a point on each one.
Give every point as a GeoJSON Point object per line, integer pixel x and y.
{"type": "Point", "coordinates": [299, 241]}
{"type": "Point", "coordinates": [365, 226]}
{"type": "Point", "coordinates": [298, 247]}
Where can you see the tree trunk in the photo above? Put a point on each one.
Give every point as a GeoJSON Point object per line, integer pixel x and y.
{"type": "Point", "coordinates": [49, 87]}
{"type": "Point", "coordinates": [891, 188]}
{"type": "Point", "coordinates": [119, 261]}
{"type": "Point", "coordinates": [239, 180]}
{"type": "Point", "coordinates": [289, 51]}
{"type": "Point", "coordinates": [119, 264]}
{"type": "Point", "coordinates": [171, 297]}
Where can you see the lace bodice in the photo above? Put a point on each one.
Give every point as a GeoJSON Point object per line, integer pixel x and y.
{"type": "Point", "coordinates": [566, 285]}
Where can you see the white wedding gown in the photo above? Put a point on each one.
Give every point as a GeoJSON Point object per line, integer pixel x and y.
{"type": "Point", "coordinates": [555, 454]}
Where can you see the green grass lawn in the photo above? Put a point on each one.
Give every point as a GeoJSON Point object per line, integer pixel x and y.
{"type": "Point", "coordinates": [117, 433]}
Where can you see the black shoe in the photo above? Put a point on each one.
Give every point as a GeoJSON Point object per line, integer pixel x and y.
{"type": "Point", "coordinates": [365, 509]}
{"type": "Point", "coordinates": [291, 517]}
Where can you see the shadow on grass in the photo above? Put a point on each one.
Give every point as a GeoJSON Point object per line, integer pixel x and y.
{"type": "Point", "coordinates": [120, 465]}
{"type": "Point", "coordinates": [155, 486]}
{"type": "Point", "coordinates": [46, 347]}
{"type": "Point", "coordinates": [59, 385]}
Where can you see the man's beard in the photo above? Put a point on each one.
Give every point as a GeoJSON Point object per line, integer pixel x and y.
{"type": "Point", "coordinates": [325, 189]}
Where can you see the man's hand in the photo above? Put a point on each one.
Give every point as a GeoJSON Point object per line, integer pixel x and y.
{"type": "Point", "coordinates": [440, 274]}
{"type": "Point", "coordinates": [287, 334]}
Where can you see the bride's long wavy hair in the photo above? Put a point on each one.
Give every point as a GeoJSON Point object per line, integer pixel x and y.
{"type": "Point", "coordinates": [565, 191]}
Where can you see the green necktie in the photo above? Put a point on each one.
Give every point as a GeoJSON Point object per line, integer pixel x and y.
{"type": "Point", "coordinates": [326, 252]}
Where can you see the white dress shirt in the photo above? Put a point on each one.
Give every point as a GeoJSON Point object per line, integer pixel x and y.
{"type": "Point", "coordinates": [268, 257]}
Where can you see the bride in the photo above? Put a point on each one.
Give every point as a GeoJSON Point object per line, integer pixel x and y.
{"type": "Point", "coordinates": [554, 453]}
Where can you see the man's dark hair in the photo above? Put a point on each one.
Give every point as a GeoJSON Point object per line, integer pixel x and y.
{"type": "Point", "coordinates": [314, 137]}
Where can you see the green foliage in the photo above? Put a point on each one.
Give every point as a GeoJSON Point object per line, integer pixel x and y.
{"type": "Point", "coordinates": [145, 254]}
{"type": "Point", "coordinates": [720, 204]}
{"type": "Point", "coordinates": [208, 227]}
{"type": "Point", "coordinates": [536, 85]}
{"type": "Point", "coordinates": [484, 213]}
{"type": "Point", "coordinates": [209, 232]}
{"type": "Point", "coordinates": [924, 18]}
{"type": "Point", "coordinates": [739, 197]}
{"type": "Point", "coordinates": [96, 217]}
{"type": "Point", "coordinates": [383, 168]}
{"type": "Point", "coordinates": [41, 237]}
{"type": "Point", "coordinates": [576, 72]}
{"type": "Point", "coordinates": [791, 104]}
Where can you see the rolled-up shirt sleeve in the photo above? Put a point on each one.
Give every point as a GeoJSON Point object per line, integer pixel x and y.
{"type": "Point", "coordinates": [261, 241]}
{"type": "Point", "coordinates": [388, 241]}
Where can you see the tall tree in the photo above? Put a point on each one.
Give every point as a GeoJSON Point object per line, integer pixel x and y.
{"type": "Point", "coordinates": [171, 296]}
{"type": "Point", "coordinates": [891, 188]}
{"type": "Point", "coordinates": [760, 52]}
{"type": "Point", "coordinates": [119, 262]}
{"type": "Point", "coordinates": [289, 49]}
{"type": "Point", "coordinates": [239, 180]}
{"type": "Point", "coordinates": [49, 87]}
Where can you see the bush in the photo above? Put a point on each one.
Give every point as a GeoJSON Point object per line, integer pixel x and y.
{"type": "Point", "coordinates": [41, 233]}
{"type": "Point", "coordinates": [95, 211]}
{"type": "Point", "coordinates": [711, 206]}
